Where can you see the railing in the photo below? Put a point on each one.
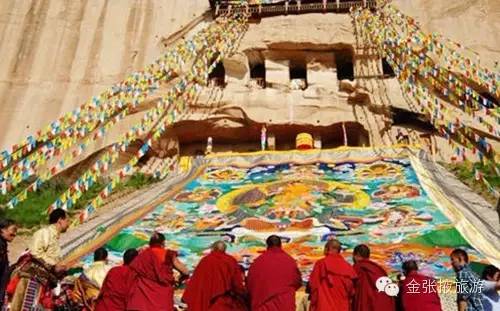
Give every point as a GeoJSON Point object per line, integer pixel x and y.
{"type": "Point", "coordinates": [296, 8]}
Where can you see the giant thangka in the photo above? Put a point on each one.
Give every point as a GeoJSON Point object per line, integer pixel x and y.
{"type": "Point", "coordinates": [375, 200]}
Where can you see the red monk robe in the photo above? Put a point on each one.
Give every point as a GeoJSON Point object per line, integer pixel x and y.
{"type": "Point", "coordinates": [273, 279]}
{"type": "Point", "coordinates": [422, 296]}
{"type": "Point", "coordinates": [331, 284]}
{"type": "Point", "coordinates": [152, 289]}
{"type": "Point", "coordinates": [367, 297]}
{"type": "Point", "coordinates": [216, 284]}
{"type": "Point", "coordinates": [115, 289]}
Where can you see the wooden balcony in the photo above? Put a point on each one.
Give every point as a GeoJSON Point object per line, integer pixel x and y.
{"type": "Point", "coordinates": [222, 7]}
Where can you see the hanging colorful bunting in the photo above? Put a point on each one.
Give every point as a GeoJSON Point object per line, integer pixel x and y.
{"type": "Point", "coordinates": [425, 67]}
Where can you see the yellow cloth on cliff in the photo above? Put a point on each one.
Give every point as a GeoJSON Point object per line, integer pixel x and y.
{"type": "Point", "coordinates": [45, 245]}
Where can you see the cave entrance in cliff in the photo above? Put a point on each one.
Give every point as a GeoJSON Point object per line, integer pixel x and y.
{"type": "Point", "coordinates": [217, 77]}
{"type": "Point", "coordinates": [336, 135]}
{"type": "Point", "coordinates": [387, 70]}
{"type": "Point", "coordinates": [410, 119]}
{"type": "Point", "coordinates": [298, 74]}
{"type": "Point", "coordinates": [193, 136]}
{"type": "Point", "coordinates": [344, 64]}
{"type": "Point", "coordinates": [258, 74]}
{"type": "Point", "coordinates": [351, 134]}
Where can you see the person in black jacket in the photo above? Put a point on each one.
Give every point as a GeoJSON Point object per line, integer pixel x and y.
{"type": "Point", "coordinates": [8, 230]}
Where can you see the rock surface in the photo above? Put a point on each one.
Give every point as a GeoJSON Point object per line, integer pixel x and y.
{"type": "Point", "coordinates": [474, 24]}
{"type": "Point", "coordinates": [57, 54]}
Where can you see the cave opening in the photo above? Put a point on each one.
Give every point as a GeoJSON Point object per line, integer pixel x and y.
{"type": "Point", "coordinates": [217, 77]}
{"type": "Point", "coordinates": [344, 63]}
{"type": "Point", "coordinates": [298, 74]}
{"type": "Point", "coordinates": [258, 73]}
{"type": "Point", "coordinates": [387, 70]}
{"type": "Point", "coordinates": [283, 137]}
{"type": "Point", "coordinates": [406, 118]}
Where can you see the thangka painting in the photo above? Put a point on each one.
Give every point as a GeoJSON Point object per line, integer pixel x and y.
{"type": "Point", "coordinates": [380, 204]}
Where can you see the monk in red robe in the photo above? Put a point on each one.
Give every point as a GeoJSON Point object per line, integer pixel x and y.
{"type": "Point", "coordinates": [216, 283]}
{"type": "Point", "coordinates": [418, 292]}
{"type": "Point", "coordinates": [153, 285]}
{"type": "Point", "coordinates": [331, 283]}
{"type": "Point", "coordinates": [114, 291]}
{"type": "Point", "coordinates": [367, 297]}
{"type": "Point", "coordinates": [273, 279]}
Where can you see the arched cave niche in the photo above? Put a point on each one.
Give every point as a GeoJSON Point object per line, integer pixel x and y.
{"type": "Point", "coordinates": [218, 76]}
{"type": "Point", "coordinates": [298, 74]}
{"type": "Point", "coordinates": [344, 63]}
{"type": "Point", "coordinates": [387, 69]}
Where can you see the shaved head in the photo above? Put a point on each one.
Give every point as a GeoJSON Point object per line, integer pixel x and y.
{"type": "Point", "coordinates": [333, 246]}
{"type": "Point", "coordinates": [361, 250]}
{"type": "Point", "coordinates": [219, 246]}
{"type": "Point", "coordinates": [273, 241]}
{"type": "Point", "coordinates": [409, 266]}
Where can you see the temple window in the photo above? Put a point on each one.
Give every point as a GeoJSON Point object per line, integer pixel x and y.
{"type": "Point", "coordinates": [258, 74]}
{"type": "Point", "coordinates": [298, 75]}
{"type": "Point", "coordinates": [217, 77]}
{"type": "Point", "coordinates": [344, 63]}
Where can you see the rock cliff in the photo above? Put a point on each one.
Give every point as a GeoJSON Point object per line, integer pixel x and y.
{"type": "Point", "coordinates": [57, 54]}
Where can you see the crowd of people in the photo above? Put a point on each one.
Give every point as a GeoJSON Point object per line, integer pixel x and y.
{"type": "Point", "coordinates": [147, 279]}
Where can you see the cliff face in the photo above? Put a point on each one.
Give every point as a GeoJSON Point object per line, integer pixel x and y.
{"type": "Point", "coordinates": [475, 24]}
{"type": "Point", "coordinates": [56, 54]}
